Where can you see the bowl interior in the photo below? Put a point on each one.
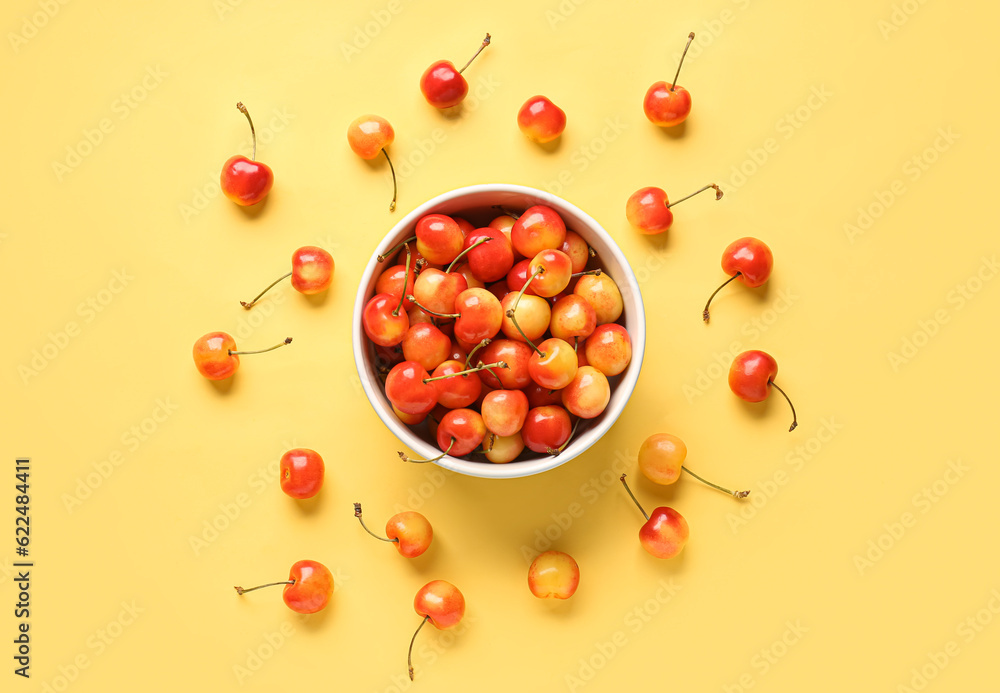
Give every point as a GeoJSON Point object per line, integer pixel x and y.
{"type": "Point", "coordinates": [478, 204]}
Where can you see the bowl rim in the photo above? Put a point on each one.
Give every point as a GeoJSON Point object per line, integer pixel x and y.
{"type": "Point", "coordinates": [627, 283]}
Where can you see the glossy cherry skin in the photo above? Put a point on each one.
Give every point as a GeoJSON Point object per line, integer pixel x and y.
{"type": "Point", "coordinates": [312, 588]}
{"type": "Point", "coordinates": [491, 260]}
{"type": "Point", "coordinates": [751, 374]}
{"type": "Point", "coordinates": [603, 295]}
{"type": "Point", "coordinates": [577, 249]}
{"type": "Point", "coordinates": [312, 270]}
{"type": "Point", "coordinates": [441, 603]}
{"type": "Point", "coordinates": [480, 315]}
{"type": "Point", "coordinates": [368, 135]}
{"type": "Point", "coordinates": [439, 238]}
{"type": "Point", "coordinates": [541, 120]}
{"type": "Point", "coordinates": [393, 280]}
{"type": "Point", "coordinates": [666, 105]}
{"type": "Point", "coordinates": [647, 210]}
{"type": "Point", "coordinates": [588, 394]}
{"type": "Point", "coordinates": [504, 411]}
{"type": "Point", "coordinates": [503, 449]}
{"type": "Point", "coordinates": [406, 390]}
{"type": "Point", "coordinates": [553, 575]}
{"type": "Point", "coordinates": [442, 85]}
{"type": "Point", "coordinates": [539, 228]}
{"type": "Point", "coordinates": [437, 290]}
{"type": "Point", "coordinates": [572, 317]}
{"type": "Point", "coordinates": [556, 366]}
{"type": "Point", "coordinates": [463, 426]}
{"type": "Point", "coordinates": [411, 532]}
{"type": "Point", "coordinates": [555, 266]}
{"type": "Point", "coordinates": [459, 391]}
{"type": "Point", "coordinates": [751, 258]}
{"type": "Point", "coordinates": [609, 349]}
{"type": "Point", "coordinates": [539, 396]}
{"type": "Point", "coordinates": [665, 533]}
{"type": "Point", "coordinates": [426, 344]}
{"type": "Point", "coordinates": [212, 357]}
{"type": "Point", "coordinates": [518, 276]}
{"type": "Point", "coordinates": [381, 326]}
{"type": "Point", "coordinates": [546, 428]}
{"type": "Point", "coordinates": [515, 354]}
{"type": "Point", "coordinates": [301, 472]}
{"type": "Point", "coordinates": [244, 181]}
{"type": "Point", "coordinates": [661, 457]}
{"type": "Point", "coordinates": [533, 316]}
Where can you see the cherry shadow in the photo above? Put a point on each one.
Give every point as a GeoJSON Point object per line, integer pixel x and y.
{"type": "Point", "coordinates": [255, 211]}
{"type": "Point", "coordinates": [224, 387]}
{"type": "Point", "coordinates": [314, 622]}
{"type": "Point", "coordinates": [552, 147]}
{"type": "Point", "coordinates": [674, 132]}
{"type": "Point", "coordinates": [317, 300]}
{"type": "Point", "coordinates": [308, 507]}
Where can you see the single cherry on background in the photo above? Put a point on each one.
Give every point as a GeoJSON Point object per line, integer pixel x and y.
{"type": "Point", "coordinates": [748, 259]}
{"type": "Point", "coordinates": [312, 272]}
{"type": "Point", "coordinates": [442, 604]}
{"type": "Point", "coordinates": [443, 86]}
{"type": "Point", "coordinates": [216, 357]}
{"type": "Point", "coordinates": [301, 472]}
{"type": "Point", "coordinates": [553, 575]}
{"type": "Point", "coordinates": [368, 136]}
{"type": "Point", "coordinates": [540, 120]}
{"type": "Point", "coordinates": [307, 590]}
{"type": "Point", "coordinates": [409, 531]}
{"type": "Point", "coordinates": [750, 376]}
{"type": "Point", "coordinates": [246, 181]}
{"type": "Point", "coordinates": [665, 104]}
{"type": "Point", "coordinates": [661, 459]}
{"type": "Point", "coordinates": [665, 532]}
{"type": "Point", "coordinates": [648, 209]}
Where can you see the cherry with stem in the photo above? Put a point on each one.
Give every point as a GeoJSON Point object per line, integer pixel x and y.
{"type": "Point", "coordinates": [712, 186]}
{"type": "Point", "coordinates": [409, 654]}
{"type": "Point", "coordinates": [738, 495]}
{"type": "Point", "coordinates": [392, 251]}
{"type": "Point", "coordinates": [466, 251]}
{"type": "Point", "coordinates": [510, 312]}
{"type": "Point", "coordinates": [673, 85]}
{"type": "Point", "coordinates": [634, 499]}
{"type": "Point", "coordinates": [357, 514]}
{"type": "Point", "coordinates": [288, 340]}
{"type": "Point", "coordinates": [704, 313]}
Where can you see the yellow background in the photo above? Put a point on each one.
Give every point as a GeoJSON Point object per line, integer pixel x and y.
{"type": "Point", "coordinates": [776, 599]}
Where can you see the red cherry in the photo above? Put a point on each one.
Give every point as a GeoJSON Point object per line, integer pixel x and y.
{"type": "Point", "coordinates": [551, 270]}
{"type": "Point", "coordinates": [649, 211]}
{"type": "Point", "coordinates": [435, 291]}
{"type": "Point", "coordinates": [443, 86]}
{"type": "Point", "coordinates": [460, 432]}
{"type": "Point", "coordinates": [368, 136]}
{"type": "Point", "coordinates": [458, 392]}
{"type": "Point", "coordinates": [546, 429]}
{"type": "Point", "coordinates": [439, 238]}
{"type": "Point", "coordinates": [668, 104]}
{"type": "Point", "coordinates": [504, 411]}
{"type": "Point", "coordinates": [216, 358]}
{"type": "Point", "coordinates": [539, 228]}
{"type": "Point", "coordinates": [384, 320]}
{"type": "Point", "coordinates": [426, 344]}
{"type": "Point", "coordinates": [308, 589]}
{"type": "Point", "coordinates": [301, 472]}
{"type": "Point", "coordinates": [312, 272]}
{"type": "Point", "coordinates": [516, 355]}
{"type": "Point", "coordinates": [442, 604]}
{"type": "Point", "coordinates": [750, 260]}
{"type": "Point", "coordinates": [406, 388]}
{"type": "Point", "coordinates": [750, 376]}
{"type": "Point", "coordinates": [246, 181]}
{"type": "Point", "coordinates": [409, 531]}
{"type": "Point", "coordinates": [541, 120]}
{"type": "Point", "coordinates": [492, 260]}
{"type": "Point", "coordinates": [665, 531]}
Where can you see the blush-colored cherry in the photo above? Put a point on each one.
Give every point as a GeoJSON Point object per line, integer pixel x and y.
{"type": "Point", "coordinates": [649, 211]}
{"type": "Point", "coordinates": [665, 532]}
{"type": "Point", "coordinates": [665, 104]}
{"type": "Point", "coordinates": [554, 364]}
{"type": "Point", "coordinates": [409, 531]}
{"type": "Point", "coordinates": [368, 136]}
{"type": "Point", "coordinates": [439, 238]}
{"type": "Point", "coordinates": [443, 86]}
{"type": "Point", "coordinates": [603, 295]}
{"type": "Point", "coordinates": [426, 344]}
{"type": "Point", "coordinates": [312, 273]}
{"type": "Point", "coordinates": [588, 393]}
{"type": "Point", "coordinates": [540, 120]}
{"type": "Point", "coordinates": [572, 318]}
{"type": "Point", "coordinates": [609, 349]}
{"type": "Point", "coordinates": [503, 449]}
{"type": "Point", "coordinates": [546, 429]}
{"type": "Point", "coordinates": [301, 472]}
{"type": "Point", "coordinates": [539, 228]}
{"type": "Point", "coordinates": [748, 259]}
{"type": "Point", "coordinates": [553, 575]}
{"type": "Point", "coordinates": [308, 589]}
{"type": "Point", "coordinates": [246, 181]}
{"type": "Point", "coordinates": [661, 460]}
{"type": "Point", "coordinates": [216, 357]}
{"type": "Point", "coordinates": [504, 411]}
{"type": "Point", "coordinates": [752, 374]}
{"type": "Point", "coordinates": [489, 261]}
{"type": "Point", "coordinates": [442, 604]}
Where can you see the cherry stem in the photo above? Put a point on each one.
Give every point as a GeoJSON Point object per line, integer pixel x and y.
{"type": "Point", "coordinates": [513, 309]}
{"type": "Point", "coordinates": [704, 313]}
{"type": "Point", "coordinates": [241, 591]}
{"type": "Point", "coordinates": [402, 455]}
{"type": "Point", "coordinates": [409, 655]}
{"type": "Point", "coordinates": [253, 134]}
{"type": "Point", "coordinates": [634, 499]}
{"type": "Point", "coordinates": [718, 194]}
{"type": "Point", "coordinates": [288, 340]}
{"type": "Point", "coordinates": [795, 420]}
{"type": "Point", "coordinates": [509, 212]}
{"type": "Point", "coordinates": [468, 359]}
{"type": "Point", "coordinates": [480, 367]}
{"type": "Point", "coordinates": [413, 299]}
{"type": "Point", "coordinates": [392, 205]}
{"type": "Point", "coordinates": [357, 514]}
{"type": "Point", "coordinates": [596, 272]}
{"type": "Point", "coordinates": [486, 42]}
{"type": "Point", "coordinates": [556, 451]}
{"type": "Point", "coordinates": [406, 278]}
{"type": "Point", "coordinates": [252, 303]}
{"type": "Point", "coordinates": [466, 251]}
{"type": "Point", "coordinates": [678, 74]}
{"type": "Point", "coordinates": [738, 495]}
{"type": "Point", "coordinates": [393, 249]}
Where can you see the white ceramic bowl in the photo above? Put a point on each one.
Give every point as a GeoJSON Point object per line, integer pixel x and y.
{"type": "Point", "coordinates": [475, 203]}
